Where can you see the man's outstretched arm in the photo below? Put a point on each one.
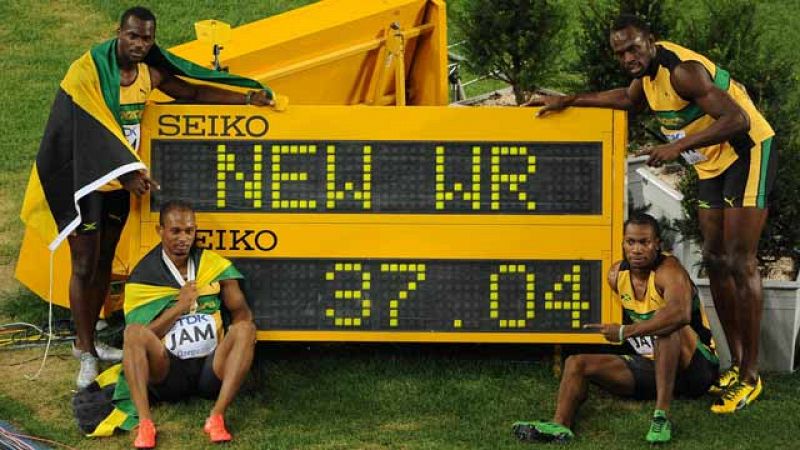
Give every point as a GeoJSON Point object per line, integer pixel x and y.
{"type": "Point", "coordinates": [198, 93]}
{"type": "Point", "coordinates": [630, 98]}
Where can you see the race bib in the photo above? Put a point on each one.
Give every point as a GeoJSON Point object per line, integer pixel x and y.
{"type": "Point", "coordinates": [644, 345]}
{"type": "Point", "coordinates": [192, 336]}
{"type": "Point", "coordinates": [690, 156]}
{"type": "Point", "coordinates": [133, 134]}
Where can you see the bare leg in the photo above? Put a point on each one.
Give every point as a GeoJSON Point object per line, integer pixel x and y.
{"type": "Point", "coordinates": [109, 237]}
{"type": "Point", "coordinates": [608, 371]}
{"type": "Point", "coordinates": [84, 301]}
{"type": "Point", "coordinates": [723, 288]}
{"type": "Point", "coordinates": [667, 359]}
{"type": "Point", "coordinates": [742, 231]}
{"type": "Point", "coordinates": [232, 362]}
{"type": "Point", "coordinates": [145, 360]}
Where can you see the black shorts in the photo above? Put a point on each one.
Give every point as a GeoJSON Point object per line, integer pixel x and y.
{"type": "Point", "coordinates": [692, 381]}
{"type": "Point", "coordinates": [746, 183]}
{"type": "Point", "coordinates": [186, 378]}
{"type": "Point", "coordinates": [102, 209]}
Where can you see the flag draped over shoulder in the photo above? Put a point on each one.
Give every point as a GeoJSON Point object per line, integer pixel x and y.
{"type": "Point", "coordinates": [83, 147]}
{"type": "Point", "coordinates": [150, 290]}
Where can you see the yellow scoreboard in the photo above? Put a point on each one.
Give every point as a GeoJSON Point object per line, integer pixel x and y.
{"type": "Point", "coordinates": [443, 224]}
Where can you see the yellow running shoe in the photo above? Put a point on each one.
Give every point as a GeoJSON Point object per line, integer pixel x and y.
{"type": "Point", "coordinates": [725, 380]}
{"type": "Point", "coordinates": [737, 397]}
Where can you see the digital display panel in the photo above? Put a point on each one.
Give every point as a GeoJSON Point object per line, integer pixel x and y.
{"type": "Point", "coordinates": [418, 224]}
{"type": "Point", "coordinates": [422, 295]}
{"type": "Point", "coordinates": [381, 177]}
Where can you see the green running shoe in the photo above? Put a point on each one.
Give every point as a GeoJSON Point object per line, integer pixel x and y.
{"type": "Point", "coordinates": [540, 431]}
{"type": "Point", "coordinates": [660, 429]}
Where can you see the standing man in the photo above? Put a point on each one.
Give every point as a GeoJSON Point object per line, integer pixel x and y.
{"type": "Point", "coordinates": [665, 326]}
{"type": "Point", "coordinates": [88, 163]}
{"type": "Point", "coordinates": [711, 122]}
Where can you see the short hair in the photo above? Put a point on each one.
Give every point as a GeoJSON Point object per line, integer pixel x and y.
{"type": "Point", "coordinates": [640, 218]}
{"type": "Point", "coordinates": [626, 20]}
{"type": "Point", "coordinates": [140, 12]}
{"type": "Point", "coordinates": [173, 205]}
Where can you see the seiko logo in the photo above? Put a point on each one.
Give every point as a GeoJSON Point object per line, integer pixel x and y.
{"type": "Point", "coordinates": [247, 240]}
{"type": "Point", "coordinates": [202, 125]}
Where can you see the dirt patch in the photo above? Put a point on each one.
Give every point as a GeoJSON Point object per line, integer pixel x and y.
{"type": "Point", "coordinates": [7, 281]}
{"type": "Point", "coordinates": [670, 174]}
{"type": "Point", "coordinates": [500, 98]}
{"type": "Point", "coordinates": [784, 269]}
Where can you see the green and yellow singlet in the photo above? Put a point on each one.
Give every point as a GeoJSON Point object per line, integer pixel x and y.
{"type": "Point", "coordinates": [679, 117]}
{"type": "Point", "coordinates": [641, 309]}
{"type": "Point", "coordinates": [131, 109]}
{"type": "Point", "coordinates": [131, 105]}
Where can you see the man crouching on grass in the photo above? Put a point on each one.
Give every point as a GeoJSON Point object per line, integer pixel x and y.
{"type": "Point", "coordinates": [174, 346]}
{"type": "Point", "coordinates": [664, 324]}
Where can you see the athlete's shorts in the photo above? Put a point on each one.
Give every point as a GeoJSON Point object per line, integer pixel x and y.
{"type": "Point", "coordinates": [693, 381]}
{"type": "Point", "coordinates": [746, 183]}
{"type": "Point", "coordinates": [102, 209]}
{"type": "Point", "coordinates": [186, 378]}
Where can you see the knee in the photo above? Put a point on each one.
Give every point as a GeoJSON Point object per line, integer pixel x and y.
{"type": "Point", "coordinates": [135, 334]}
{"type": "Point", "coordinates": [83, 268]}
{"type": "Point", "coordinates": [715, 261]}
{"type": "Point", "coordinates": [742, 263]}
{"type": "Point", "coordinates": [243, 330]}
{"type": "Point", "coordinates": [575, 365]}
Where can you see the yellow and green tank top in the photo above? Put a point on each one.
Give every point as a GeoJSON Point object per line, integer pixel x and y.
{"type": "Point", "coordinates": [131, 105]}
{"type": "Point", "coordinates": [131, 109]}
{"type": "Point", "coordinates": [679, 118]}
{"type": "Point", "coordinates": [641, 309]}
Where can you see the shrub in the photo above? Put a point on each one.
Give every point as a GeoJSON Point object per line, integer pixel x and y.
{"type": "Point", "coordinates": [596, 60]}
{"type": "Point", "coordinates": [513, 41]}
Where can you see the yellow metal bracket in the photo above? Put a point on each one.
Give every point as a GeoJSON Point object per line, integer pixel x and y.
{"type": "Point", "coordinates": [216, 33]}
{"type": "Point", "coordinates": [391, 58]}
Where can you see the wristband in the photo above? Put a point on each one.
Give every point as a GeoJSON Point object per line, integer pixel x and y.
{"type": "Point", "coordinates": [248, 97]}
{"type": "Point", "coordinates": [621, 333]}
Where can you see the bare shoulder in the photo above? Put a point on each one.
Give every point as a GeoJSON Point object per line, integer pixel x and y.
{"type": "Point", "coordinates": [690, 79]}
{"type": "Point", "coordinates": [670, 270]}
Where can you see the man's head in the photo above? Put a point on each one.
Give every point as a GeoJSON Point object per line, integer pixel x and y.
{"type": "Point", "coordinates": [633, 44]}
{"type": "Point", "coordinates": [136, 34]}
{"type": "Point", "coordinates": [176, 227]}
{"type": "Point", "coordinates": [641, 242]}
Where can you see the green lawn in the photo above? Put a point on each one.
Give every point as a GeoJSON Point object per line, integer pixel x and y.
{"type": "Point", "coordinates": [409, 397]}
{"type": "Point", "coordinates": [319, 396]}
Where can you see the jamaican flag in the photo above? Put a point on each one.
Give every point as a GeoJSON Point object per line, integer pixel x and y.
{"type": "Point", "coordinates": [83, 147]}
{"type": "Point", "coordinates": [105, 405]}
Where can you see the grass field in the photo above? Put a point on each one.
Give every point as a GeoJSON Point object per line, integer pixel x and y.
{"type": "Point", "coordinates": [320, 396]}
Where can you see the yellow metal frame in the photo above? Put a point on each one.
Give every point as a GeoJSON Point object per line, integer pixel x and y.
{"type": "Point", "coordinates": [342, 52]}
{"type": "Point", "coordinates": [424, 236]}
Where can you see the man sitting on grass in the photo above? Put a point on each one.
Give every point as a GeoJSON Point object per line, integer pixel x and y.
{"type": "Point", "coordinates": [664, 324]}
{"type": "Point", "coordinates": [174, 346]}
